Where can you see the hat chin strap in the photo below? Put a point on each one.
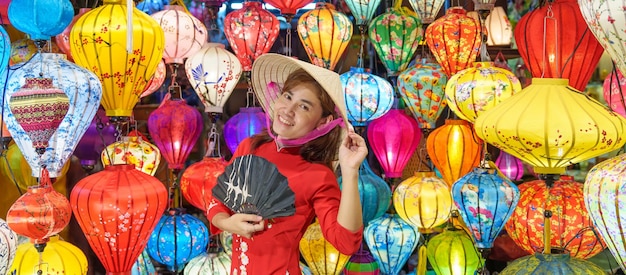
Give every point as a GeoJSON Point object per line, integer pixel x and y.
{"type": "Point", "coordinates": [315, 133]}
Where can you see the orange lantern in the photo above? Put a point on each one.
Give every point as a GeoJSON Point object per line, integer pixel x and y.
{"type": "Point", "coordinates": [454, 149]}
{"type": "Point", "coordinates": [199, 179]}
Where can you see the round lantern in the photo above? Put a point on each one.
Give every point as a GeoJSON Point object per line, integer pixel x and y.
{"type": "Point", "coordinates": [5, 50]}
{"type": "Point", "coordinates": [363, 11]}
{"type": "Point", "coordinates": [143, 265]}
{"type": "Point", "coordinates": [362, 263]}
{"type": "Point", "coordinates": [485, 201]}
{"type": "Point", "coordinates": [199, 179]}
{"type": "Point", "coordinates": [184, 34]}
{"type": "Point", "coordinates": [40, 19]}
{"type": "Point", "coordinates": [571, 227]}
{"type": "Point", "coordinates": [422, 89]}
{"type": "Point", "coordinates": [251, 31]}
{"type": "Point", "coordinates": [472, 91]}
{"type": "Point", "coordinates": [562, 47]}
{"type": "Point", "coordinates": [423, 200]}
{"type": "Point", "coordinates": [393, 137]}
{"type": "Point", "coordinates": [395, 36]}
{"type": "Point", "coordinates": [510, 166]}
{"type": "Point", "coordinates": [63, 39]}
{"type": "Point", "coordinates": [20, 175]}
{"type": "Point", "coordinates": [325, 34]}
{"type": "Point", "coordinates": [367, 96]}
{"type": "Point", "coordinates": [177, 238]}
{"type": "Point", "coordinates": [288, 8]}
{"type": "Point", "coordinates": [374, 193]}
{"type": "Point", "coordinates": [249, 121]}
{"type": "Point", "coordinates": [213, 72]}
{"type": "Point", "coordinates": [604, 197]}
{"type": "Point", "coordinates": [454, 40]}
{"type": "Point", "coordinates": [550, 126]}
{"type": "Point", "coordinates": [116, 222]}
{"type": "Point", "coordinates": [156, 81]}
{"type": "Point", "coordinates": [144, 156]}
{"type": "Point", "coordinates": [614, 91]}
{"type": "Point", "coordinates": [152, 6]}
{"type": "Point", "coordinates": [99, 134]}
{"type": "Point", "coordinates": [454, 149]}
{"type": "Point", "coordinates": [499, 29]}
{"type": "Point", "coordinates": [22, 50]}
{"type": "Point", "coordinates": [391, 241]}
{"type": "Point", "coordinates": [427, 10]}
{"type": "Point", "coordinates": [59, 257]}
{"type": "Point", "coordinates": [452, 252]}
{"type": "Point", "coordinates": [211, 263]}
{"type": "Point", "coordinates": [8, 246]}
{"type": "Point", "coordinates": [319, 254]}
{"type": "Point", "coordinates": [124, 62]}
{"type": "Point", "coordinates": [551, 264]}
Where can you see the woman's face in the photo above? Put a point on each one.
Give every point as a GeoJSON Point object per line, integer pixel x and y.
{"type": "Point", "coordinates": [297, 112]}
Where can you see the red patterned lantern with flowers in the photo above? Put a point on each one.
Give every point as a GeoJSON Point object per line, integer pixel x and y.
{"type": "Point", "coordinates": [184, 34]}
{"type": "Point", "coordinates": [199, 179]}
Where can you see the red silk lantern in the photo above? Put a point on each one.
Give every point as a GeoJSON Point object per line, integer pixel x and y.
{"type": "Point", "coordinates": [614, 91]}
{"type": "Point", "coordinates": [199, 179]}
{"type": "Point", "coordinates": [117, 214]}
{"type": "Point", "coordinates": [562, 47]}
{"type": "Point", "coordinates": [288, 7]}
{"type": "Point", "coordinates": [570, 224]}
{"type": "Point", "coordinates": [251, 31]}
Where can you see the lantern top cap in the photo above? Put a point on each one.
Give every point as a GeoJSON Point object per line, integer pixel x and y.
{"type": "Point", "coordinates": [456, 122]}
{"type": "Point", "coordinates": [550, 81]}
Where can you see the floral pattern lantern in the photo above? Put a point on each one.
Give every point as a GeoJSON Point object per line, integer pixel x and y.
{"type": "Point", "coordinates": [423, 201]}
{"type": "Point", "coordinates": [249, 121]}
{"type": "Point", "coordinates": [21, 51]}
{"type": "Point", "coordinates": [374, 193]}
{"type": "Point", "coordinates": [199, 179]}
{"type": "Point", "coordinates": [551, 264]}
{"type": "Point", "coordinates": [391, 241]}
{"type": "Point", "coordinates": [59, 257]}
{"type": "Point", "coordinates": [63, 39]}
{"type": "Point", "coordinates": [8, 246]}
{"type": "Point", "coordinates": [144, 156]}
{"type": "Point", "coordinates": [117, 224]}
{"type": "Point", "coordinates": [510, 166]}
{"type": "Point", "coordinates": [453, 252]}
{"type": "Point", "coordinates": [156, 81]}
{"type": "Point", "coordinates": [251, 31]}
{"type": "Point", "coordinates": [571, 227]}
{"type": "Point", "coordinates": [367, 96]}
{"type": "Point", "coordinates": [211, 263]}
{"type": "Point", "coordinates": [143, 265]}
{"type": "Point", "coordinates": [422, 89]}
{"type": "Point", "coordinates": [19, 172]}
{"type": "Point", "coordinates": [40, 19]}
{"type": "Point", "coordinates": [454, 40]}
{"type": "Point", "coordinates": [184, 34]}
{"type": "Point", "coordinates": [325, 34]}
{"type": "Point", "coordinates": [614, 91]}
{"type": "Point", "coordinates": [427, 10]}
{"type": "Point", "coordinates": [319, 254]}
{"type": "Point", "coordinates": [499, 29]}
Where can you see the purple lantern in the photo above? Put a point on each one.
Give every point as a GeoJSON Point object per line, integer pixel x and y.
{"type": "Point", "coordinates": [94, 140]}
{"type": "Point", "coordinates": [510, 166]}
{"type": "Point", "coordinates": [249, 121]}
{"type": "Point", "coordinates": [361, 263]}
{"type": "Point", "coordinates": [175, 127]}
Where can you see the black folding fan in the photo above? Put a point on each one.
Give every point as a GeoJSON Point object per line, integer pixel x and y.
{"type": "Point", "coordinates": [253, 185]}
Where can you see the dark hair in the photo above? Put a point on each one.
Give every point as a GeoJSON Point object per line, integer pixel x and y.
{"type": "Point", "coordinates": [322, 149]}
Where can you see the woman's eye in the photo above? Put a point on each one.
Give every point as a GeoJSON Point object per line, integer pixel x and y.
{"type": "Point", "coordinates": [286, 95]}
{"type": "Point", "coordinates": [304, 107]}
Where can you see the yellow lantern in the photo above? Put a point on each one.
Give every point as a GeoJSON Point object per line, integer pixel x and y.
{"type": "Point", "coordinates": [423, 200]}
{"type": "Point", "coordinates": [133, 150]}
{"type": "Point", "coordinates": [124, 62]}
{"type": "Point", "coordinates": [551, 125]}
{"type": "Point", "coordinates": [325, 34]}
{"type": "Point", "coordinates": [59, 257]}
{"type": "Point", "coordinates": [319, 254]}
{"type": "Point", "coordinates": [475, 90]}
{"type": "Point", "coordinates": [19, 172]}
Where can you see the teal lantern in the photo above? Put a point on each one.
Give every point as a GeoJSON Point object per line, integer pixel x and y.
{"type": "Point", "coordinates": [41, 19]}
{"type": "Point", "coordinates": [391, 241]}
{"type": "Point", "coordinates": [143, 265]}
{"type": "Point", "coordinates": [363, 10]}
{"type": "Point", "coordinates": [5, 50]}
{"type": "Point", "coordinates": [422, 89]}
{"type": "Point", "coordinates": [374, 192]}
{"type": "Point", "coordinates": [368, 96]}
{"type": "Point", "coordinates": [551, 264]}
{"type": "Point", "coordinates": [395, 35]}
{"type": "Point", "coordinates": [485, 201]}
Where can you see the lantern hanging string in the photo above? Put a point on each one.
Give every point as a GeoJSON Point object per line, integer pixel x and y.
{"type": "Point", "coordinates": [129, 26]}
{"type": "Point", "coordinates": [362, 46]}
{"type": "Point", "coordinates": [213, 143]}
{"type": "Point", "coordinates": [174, 87]}
{"type": "Point", "coordinates": [288, 43]}
{"type": "Point", "coordinates": [549, 16]}
{"type": "Point", "coordinates": [484, 53]}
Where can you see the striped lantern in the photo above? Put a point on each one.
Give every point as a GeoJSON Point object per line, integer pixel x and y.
{"type": "Point", "coordinates": [453, 252]}
{"type": "Point", "coordinates": [59, 257]}
{"type": "Point", "coordinates": [427, 10]}
{"type": "Point", "coordinates": [367, 96]}
{"type": "Point", "coordinates": [510, 166]}
{"type": "Point", "coordinates": [143, 265]}
{"type": "Point", "coordinates": [363, 11]}
{"type": "Point", "coordinates": [551, 264]}
{"type": "Point", "coordinates": [614, 91]}
{"type": "Point", "coordinates": [156, 81]}
{"type": "Point", "coordinates": [248, 122]}
{"type": "Point", "coordinates": [5, 50]}
{"type": "Point", "coordinates": [362, 263]}
{"type": "Point", "coordinates": [63, 39]}
{"type": "Point", "coordinates": [320, 255]}
{"type": "Point", "coordinates": [422, 89]}
{"type": "Point", "coordinates": [199, 179]}
{"type": "Point", "coordinates": [423, 201]}
{"type": "Point", "coordinates": [374, 193]}
{"type": "Point", "coordinates": [184, 34]}
{"type": "Point", "coordinates": [391, 241]}
{"type": "Point", "coordinates": [211, 263]}
{"type": "Point", "coordinates": [40, 19]}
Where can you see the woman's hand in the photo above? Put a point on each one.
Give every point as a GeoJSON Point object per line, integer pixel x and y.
{"type": "Point", "coordinates": [352, 151]}
{"type": "Point", "coordinates": [244, 225]}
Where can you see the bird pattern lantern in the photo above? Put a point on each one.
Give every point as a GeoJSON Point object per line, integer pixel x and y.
{"type": "Point", "coordinates": [427, 10]}
{"type": "Point", "coordinates": [249, 121]}
{"type": "Point", "coordinates": [423, 201]}
{"type": "Point", "coordinates": [184, 34]}
{"type": "Point", "coordinates": [8, 246]}
{"type": "Point", "coordinates": [551, 264]}
{"type": "Point", "coordinates": [319, 254]}
{"type": "Point", "coordinates": [422, 88]}
{"type": "Point", "coordinates": [40, 19]}
{"type": "Point", "coordinates": [143, 155]}
{"type": "Point", "coordinates": [452, 252]}
{"type": "Point", "coordinates": [614, 91]}
{"type": "Point", "coordinates": [124, 59]}
{"type": "Point", "coordinates": [325, 34]}
{"type": "Point", "coordinates": [367, 96]}
{"type": "Point", "coordinates": [199, 179]}
{"type": "Point", "coordinates": [59, 257]}
{"type": "Point", "coordinates": [209, 263]}
{"type": "Point", "coordinates": [391, 241]}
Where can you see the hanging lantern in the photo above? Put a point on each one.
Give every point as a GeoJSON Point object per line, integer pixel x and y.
{"type": "Point", "coordinates": [560, 46]}
{"type": "Point", "coordinates": [374, 193]}
{"type": "Point", "coordinates": [361, 263]}
{"type": "Point", "coordinates": [395, 36]}
{"type": "Point", "coordinates": [454, 40]}
{"type": "Point", "coordinates": [367, 96]}
{"type": "Point", "coordinates": [175, 127]}
{"type": "Point", "coordinates": [325, 34]}
{"type": "Point", "coordinates": [19, 172]}
{"type": "Point", "coordinates": [143, 265]}
{"type": "Point", "coordinates": [454, 149]}
{"type": "Point", "coordinates": [59, 257]}
{"type": "Point", "coordinates": [117, 224]}
{"type": "Point", "coordinates": [499, 30]}
{"type": "Point", "coordinates": [604, 196]}
{"type": "Point", "coordinates": [614, 91]}
{"type": "Point", "coordinates": [319, 254]}
{"type": "Point", "coordinates": [249, 121]}
{"type": "Point", "coordinates": [100, 42]}
{"type": "Point", "coordinates": [99, 134]}
{"type": "Point", "coordinates": [550, 126]}
{"type": "Point", "coordinates": [572, 229]}
{"type": "Point", "coordinates": [363, 11]}
{"type": "Point", "coordinates": [184, 34]}
{"type": "Point", "coordinates": [391, 241]}
{"type": "Point", "coordinates": [551, 264]}
{"type": "Point", "coordinates": [63, 39]}
{"type": "Point", "coordinates": [5, 51]}
{"type": "Point", "coordinates": [212, 263]}
{"type": "Point", "coordinates": [510, 166]}
{"type": "Point", "coordinates": [427, 10]}
{"type": "Point", "coordinates": [251, 32]}
{"type": "Point", "coordinates": [156, 81]}
{"type": "Point", "coordinates": [144, 156]}
{"type": "Point", "coordinates": [288, 7]}
{"type": "Point", "coordinates": [393, 137]}
{"type": "Point", "coordinates": [177, 238]}
{"type": "Point", "coordinates": [213, 72]}
{"type": "Point", "coordinates": [423, 200]}
{"type": "Point", "coordinates": [152, 6]}
{"type": "Point", "coordinates": [422, 89]}
{"type": "Point", "coordinates": [485, 201]}
{"type": "Point", "coordinates": [40, 19]}
{"type": "Point", "coordinates": [452, 252]}
{"type": "Point", "coordinates": [8, 246]}
{"type": "Point", "coordinates": [22, 50]}
{"type": "Point", "coordinates": [472, 91]}
{"type": "Point", "coordinates": [199, 179]}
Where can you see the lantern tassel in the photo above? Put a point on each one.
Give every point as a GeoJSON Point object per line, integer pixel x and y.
{"type": "Point", "coordinates": [129, 26]}
{"type": "Point", "coordinates": [546, 231]}
{"type": "Point", "coordinates": [422, 258]}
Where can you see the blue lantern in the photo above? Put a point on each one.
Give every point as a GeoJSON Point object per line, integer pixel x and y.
{"type": "Point", "coordinates": [5, 50]}
{"type": "Point", "coordinates": [368, 96]}
{"type": "Point", "coordinates": [363, 10]}
{"type": "Point", "coordinates": [152, 6]}
{"type": "Point", "coordinates": [177, 238]}
{"type": "Point", "coordinates": [249, 121]}
{"type": "Point", "coordinates": [143, 265]}
{"type": "Point", "coordinates": [41, 19]}
{"type": "Point", "coordinates": [391, 241]}
{"type": "Point", "coordinates": [374, 192]}
{"type": "Point", "coordinates": [485, 201]}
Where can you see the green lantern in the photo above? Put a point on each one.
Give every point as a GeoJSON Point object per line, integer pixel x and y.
{"type": "Point", "coordinates": [452, 252]}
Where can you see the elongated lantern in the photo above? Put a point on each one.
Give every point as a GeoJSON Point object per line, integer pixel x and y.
{"type": "Point", "coordinates": [374, 193]}
{"type": "Point", "coordinates": [199, 179]}
{"type": "Point", "coordinates": [391, 241]}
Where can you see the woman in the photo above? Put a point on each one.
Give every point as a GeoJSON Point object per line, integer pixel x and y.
{"type": "Point", "coordinates": [305, 140]}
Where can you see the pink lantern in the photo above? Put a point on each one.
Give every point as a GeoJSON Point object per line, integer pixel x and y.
{"type": "Point", "coordinates": [63, 38]}
{"type": "Point", "coordinates": [394, 137]}
{"type": "Point", "coordinates": [156, 81]}
{"type": "Point", "coordinates": [510, 166]}
{"type": "Point", "coordinates": [614, 89]}
{"type": "Point", "coordinates": [184, 34]}
{"type": "Point", "coordinates": [175, 127]}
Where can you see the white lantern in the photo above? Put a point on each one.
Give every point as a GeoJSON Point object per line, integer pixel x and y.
{"type": "Point", "coordinates": [209, 264]}
{"type": "Point", "coordinates": [499, 28]}
{"type": "Point", "coordinates": [8, 246]}
{"type": "Point", "coordinates": [184, 34]}
{"type": "Point", "coordinates": [426, 9]}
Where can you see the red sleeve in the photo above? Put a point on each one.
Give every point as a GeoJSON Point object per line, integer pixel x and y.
{"type": "Point", "coordinates": [326, 203]}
